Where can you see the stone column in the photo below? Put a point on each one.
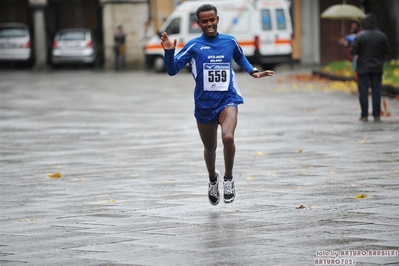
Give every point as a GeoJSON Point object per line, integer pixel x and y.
{"type": "Point", "coordinates": [310, 49]}
{"type": "Point", "coordinates": [39, 33]}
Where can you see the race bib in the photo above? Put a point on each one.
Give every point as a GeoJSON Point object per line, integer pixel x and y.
{"type": "Point", "coordinates": [216, 76]}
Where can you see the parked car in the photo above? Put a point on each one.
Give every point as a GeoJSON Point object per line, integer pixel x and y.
{"type": "Point", "coordinates": [75, 46]}
{"type": "Point", "coordinates": [15, 43]}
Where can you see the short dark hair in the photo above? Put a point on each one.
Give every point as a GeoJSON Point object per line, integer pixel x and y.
{"type": "Point", "coordinates": [206, 7]}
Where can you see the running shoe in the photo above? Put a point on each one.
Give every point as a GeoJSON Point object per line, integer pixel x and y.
{"type": "Point", "coordinates": [229, 191]}
{"type": "Point", "coordinates": [213, 191]}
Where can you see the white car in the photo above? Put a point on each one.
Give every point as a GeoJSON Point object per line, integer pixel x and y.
{"type": "Point", "coordinates": [75, 46]}
{"type": "Point", "coordinates": [15, 43]}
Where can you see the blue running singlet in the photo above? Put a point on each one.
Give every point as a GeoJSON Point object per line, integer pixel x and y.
{"type": "Point", "coordinates": [210, 61]}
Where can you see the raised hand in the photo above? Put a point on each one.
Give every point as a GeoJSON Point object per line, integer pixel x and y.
{"type": "Point", "coordinates": [263, 74]}
{"type": "Point", "coordinates": [166, 43]}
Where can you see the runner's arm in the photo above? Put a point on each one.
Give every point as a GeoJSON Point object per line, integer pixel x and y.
{"type": "Point", "coordinates": [243, 62]}
{"type": "Point", "coordinates": [173, 64]}
{"type": "Point", "coordinates": [240, 59]}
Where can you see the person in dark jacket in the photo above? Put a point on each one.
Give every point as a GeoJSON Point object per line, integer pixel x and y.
{"type": "Point", "coordinates": [371, 46]}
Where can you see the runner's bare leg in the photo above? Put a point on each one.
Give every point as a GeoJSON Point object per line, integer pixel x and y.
{"type": "Point", "coordinates": [228, 122]}
{"type": "Point", "coordinates": [208, 134]}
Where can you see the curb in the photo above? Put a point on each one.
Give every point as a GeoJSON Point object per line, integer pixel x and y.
{"type": "Point", "coordinates": [388, 89]}
{"type": "Point", "coordinates": [330, 76]}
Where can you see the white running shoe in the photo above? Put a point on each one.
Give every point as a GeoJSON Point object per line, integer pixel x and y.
{"type": "Point", "coordinates": [229, 191]}
{"type": "Point", "coordinates": [213, 191]}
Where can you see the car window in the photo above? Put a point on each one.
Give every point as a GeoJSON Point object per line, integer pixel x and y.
{"type": "Point", "coordinates": [280, 19]}
{"type": "Point", "coordinates": [12, 33]}
{"type": "Point", "coordinates": [73, 36]}
{"type": "Point", "coordinates": [266, 22]}
{"type": "Point", "coordinates": [193, 27]}
{"type": "Point", "coordinates": [173, 27]}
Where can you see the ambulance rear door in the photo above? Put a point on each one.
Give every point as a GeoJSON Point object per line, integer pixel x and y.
{"type": "Point", "coordinates": [274, 40]}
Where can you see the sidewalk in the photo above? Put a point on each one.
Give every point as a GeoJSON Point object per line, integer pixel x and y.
{"type": "Point", "coordinates": [133, 186]}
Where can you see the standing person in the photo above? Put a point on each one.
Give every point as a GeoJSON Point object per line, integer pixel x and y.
{"type": "Point", "coordinates": [216, 92]}
{"type": "Point", "coordinates": [347, 40]}
{"type": "Point", "coordinates": [119, 48]}
{"type": "Point", "coordinates": [354, 29]}
{"type": "Point", "coordinates": [371, 46]}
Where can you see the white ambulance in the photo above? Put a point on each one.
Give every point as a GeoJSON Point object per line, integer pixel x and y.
{"type": "Point", "coordinates": [263, 29]}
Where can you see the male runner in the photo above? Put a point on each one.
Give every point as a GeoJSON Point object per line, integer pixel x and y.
{"type": "Point", "coordinates": [216, 92]}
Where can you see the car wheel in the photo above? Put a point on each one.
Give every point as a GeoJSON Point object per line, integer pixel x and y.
{"type": "Point", "coordinates": [159, 64]}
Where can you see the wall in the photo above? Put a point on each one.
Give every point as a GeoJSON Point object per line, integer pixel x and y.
{"type": "Point", "coordinates": [14, 11]}
{"type": "Point", "coordinates": [160, 10]}
{"type": "Point", "coordinates": [132, 16]}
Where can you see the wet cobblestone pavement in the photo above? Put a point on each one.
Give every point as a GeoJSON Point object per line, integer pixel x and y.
{"type": "Point", "coordinates": [313, 182]}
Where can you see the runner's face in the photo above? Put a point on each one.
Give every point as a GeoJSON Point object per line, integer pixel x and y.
{"type": "Point", "coordinates": [208, 22]}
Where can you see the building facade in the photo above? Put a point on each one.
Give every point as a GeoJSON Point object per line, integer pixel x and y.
{"type": "Point", "coordinates": [314, 39]}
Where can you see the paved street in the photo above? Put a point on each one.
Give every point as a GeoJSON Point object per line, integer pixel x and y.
{"type": "Point", "coordinates": [313, 182]}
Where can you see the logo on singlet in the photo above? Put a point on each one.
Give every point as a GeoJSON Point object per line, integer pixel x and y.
{"type": "Point", "coordinates": [205, 47]}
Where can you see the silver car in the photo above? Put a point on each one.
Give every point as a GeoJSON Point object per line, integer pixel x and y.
{"type": "Point", "coordinates": [15, 43]}
{"type": "Point", "coordinates": [75, 46]}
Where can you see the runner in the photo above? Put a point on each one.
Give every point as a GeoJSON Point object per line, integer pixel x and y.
{"type": "Point", "coordinates": [216, 93]}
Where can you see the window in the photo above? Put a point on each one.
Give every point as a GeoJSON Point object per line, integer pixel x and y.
{"type": "Point", "coordinates": [73, 36]}
{"type": "Point", "coordinates": [12, 33]}
{"type": "Point", "coordinates": [193, 27]}
{"type": "Point", "coordinates": [173, 27]}
{"type": "Point", "coordinates": [266, 22]}
{"type": "Point", "coordinates": [280, 19]}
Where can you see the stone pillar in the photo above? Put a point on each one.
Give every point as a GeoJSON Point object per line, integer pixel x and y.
{"type": "Point", "coordinates": [39, 34]}
{"type": "Point", "coordinates": [297, 40]}
{"type": "Point", "coordinates": [394, 10]}
{"type": "Point", "coordinates": [310, 49]}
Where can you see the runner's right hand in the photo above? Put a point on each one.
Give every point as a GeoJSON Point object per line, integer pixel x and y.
{"type": "Point", "coordinates": [166, 43]}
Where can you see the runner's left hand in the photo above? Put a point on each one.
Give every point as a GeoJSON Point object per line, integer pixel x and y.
{"type": "Point", "coordinates": [262, 74]}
